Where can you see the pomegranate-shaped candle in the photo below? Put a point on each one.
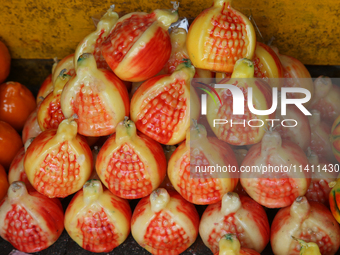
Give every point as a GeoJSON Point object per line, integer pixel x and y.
{"type": "Point", "coordinates": [239, 215]}
{"type": "Point", "coordinates": [97, 220]}
{"type": "Point", "coordinates": [309, 221]}
{"type": "Point", "coordinates": [279, 174]}
{"type": "Point", "coordinates": [58, 162]}
{"type": "Point", "coordinates": [161, 106]}
{"type": "Point", "coordinates": [97, 96]}
{"type": "Point", "coordinates": [187, 169]}
{"type": "Point", "coordinates": [164, 223]}
{"type": "Point", "coordinates": [130, 164]}
{"type": "Point", "coordinates": [30, 221]}
{"type": "Point", "coordinates": [139, 44]}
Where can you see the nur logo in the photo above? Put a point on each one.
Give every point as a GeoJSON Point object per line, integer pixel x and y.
{"type": "Point", "coordinates": [238, 99]}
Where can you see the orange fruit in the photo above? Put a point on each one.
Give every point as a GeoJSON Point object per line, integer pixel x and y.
{"type": "Point", "coordinates": [5, 62]}
{"type": "Point", "coordinates": [3, 183]}
{"type": "Point", "coordinates": [10, 144]}
{"type": "Point", "coordinates": [16, 104]}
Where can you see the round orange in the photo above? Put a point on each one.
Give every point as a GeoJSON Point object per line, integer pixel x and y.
{"type": "Point", "coordinates": [16, 104]}
{"type": "Point", "coordinates": [10, 144]}
{"type": "Point", "coordinates": [5, 62]}
{"type": "Point", "coordinates": [3, 183]}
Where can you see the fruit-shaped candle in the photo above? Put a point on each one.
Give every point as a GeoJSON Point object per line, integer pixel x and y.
{"type": "Point", "coordinates": [277, 172]}
{"type": "Point", "coordinates": [239, 215]}
{"type": "Point", "coordinates": [30, 221]}
{"type": "Point", "coordinates": [130, 164]}
{"type": "Point", "coordinates": [58, 162]}
{"type": "Point", "coordinates": [164, 223]}
{"type": "Point", "coordinates": [93, 42]}
{"type": "Point", "coordinates": [308, 221]}
{"type": "Point", "coordinates": [31, 128]}
{"type": "Point", "coordinates": [189, 165]}
{"type": "Point", "coordinates": [49, 113]}
{"type": "Point", "coordinates": [161, 106]}
{"type": "Point", "coordinates": [139, 44]}
{"type": "Point", "coordinates": [97, 96]}
{"type": "Point", "coordinates": [322, 137]}
{"type": "Point", "coordinates": [219, 36]}
{"type": "Point", "coordinates": [230, 245]}
{"type": "Point", "coordinates": [240, 129]}
{"type": "Point", "coordinates": [97, 220]}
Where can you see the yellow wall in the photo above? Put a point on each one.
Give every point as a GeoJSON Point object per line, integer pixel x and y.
{"type": "Point", "coordinates": [43, 29]}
